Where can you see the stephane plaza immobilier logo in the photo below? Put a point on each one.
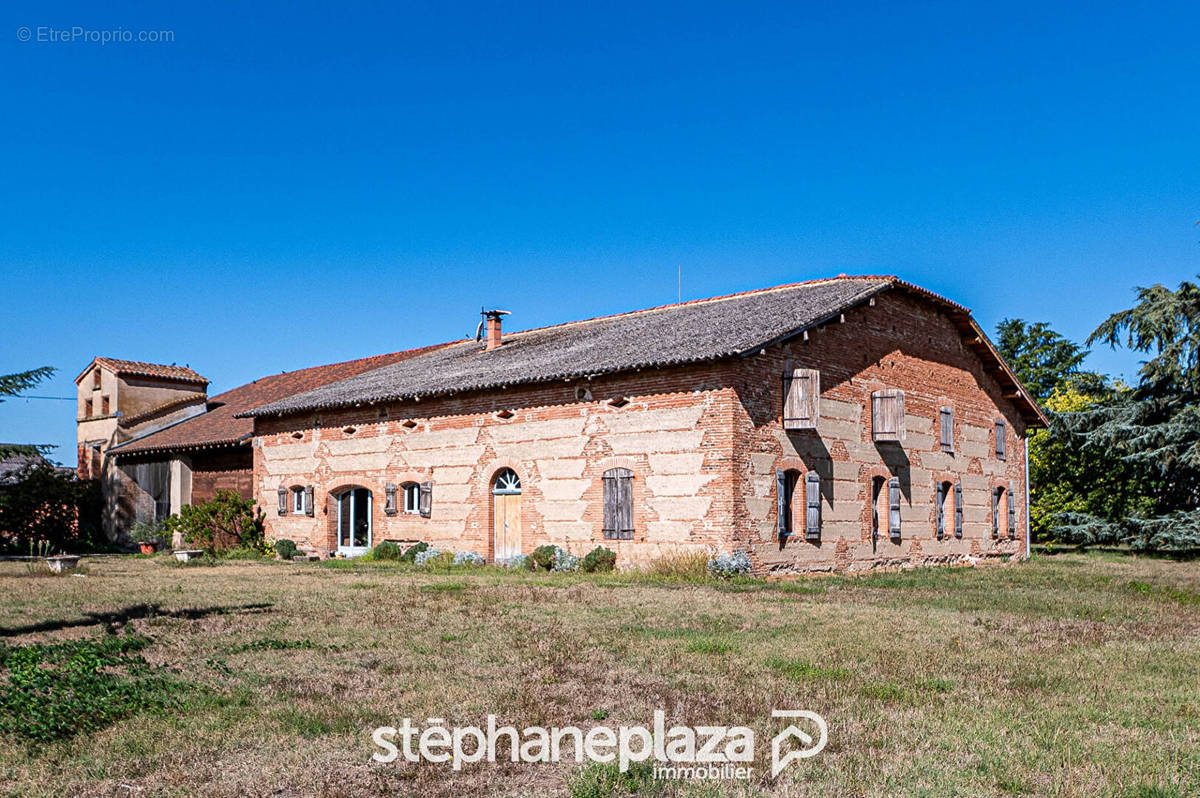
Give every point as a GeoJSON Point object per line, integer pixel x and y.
{"type": "Point", "coordinates": [678, 752]}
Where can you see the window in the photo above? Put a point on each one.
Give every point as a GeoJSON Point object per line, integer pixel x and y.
{"type": "Point", "coordinates": [96, 379]}
{"type": "Point", "coordinates": [944, 489]}
{"type": "Point", "coordinates": [412, 498]}
{"type": "Point", "coordinates": [87, 408]}
{"type": "Point", "coordinates": [104, 405]}
{"type": "Point", "coordinates": [1001, 428]}
{"type": "Point", "coordinates": [887, 415]}
{"type": "Point", "coordinates": [785, 489]}
{"type": "Point", "coordinates": [618, 504]}
{"type": "Point", "coordinates": [885, 498]}
{"type": "Point", "coordinates": [801, 398]}
{"type": "Point", "coordinates": [299, 503]}
{"type": "Point", "coordinates": [507, 481]}
{"type": "Point", "coordinates": [946, 423]}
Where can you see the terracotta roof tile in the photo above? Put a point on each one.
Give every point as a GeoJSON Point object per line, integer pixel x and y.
{"type": "Point", "coordinates": [142, 369]}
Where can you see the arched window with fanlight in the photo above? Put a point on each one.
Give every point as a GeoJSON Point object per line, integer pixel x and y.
{"type": "Point", "coordinates": [618, 504]}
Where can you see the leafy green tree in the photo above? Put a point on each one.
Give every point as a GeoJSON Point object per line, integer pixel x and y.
{"type": "Point", "coordinates": [1155, 427]}
{"type": "Point", "coordinates": [51, 504]}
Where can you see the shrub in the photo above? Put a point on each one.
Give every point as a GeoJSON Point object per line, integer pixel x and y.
{"type": "Point", "coordinates": [429, 556]}
{"type": "Point", "coordinates": [147, 532]}
{"type": "Point", "coordinates": [517, 563]}
{"type": "Point", "coordinates": [684, 566]}
{"type": "Point", "coordinates": [599, 560]}
{"type": "Point", "coordinates": [286, 549]}
{"type": "Point", "coordinates": [410, 554]}
{"type": "Point", "coordinates": [387, 550]}
{"type": "Point", "coordinates": [45, 503]}
{"type": "Point", "coordinates": [565, 560]}
{"type": "Point", "coordinates": [226, 522]}
{"type": "Point", "coordinates": [542, 558]}
{"type": "Point", "coordinates": [727, 566]}
{"type": "Point", "coordinates": [468, 558]}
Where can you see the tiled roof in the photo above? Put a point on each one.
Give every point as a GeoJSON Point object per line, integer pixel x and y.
{"type": "Point", "coordinates": [688, 332]}
{"type": "Point", "coordinates": [221, 425]}
{"type": "Point", "coordinates": [141, 369]}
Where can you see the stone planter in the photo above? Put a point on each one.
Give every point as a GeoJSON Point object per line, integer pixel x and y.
{"type": "Point", "coordinates": [62, 563]}
{"type": "Point", "coordinates": [185, 555]}
{"type": "Point", "coordinates": [148, 547]}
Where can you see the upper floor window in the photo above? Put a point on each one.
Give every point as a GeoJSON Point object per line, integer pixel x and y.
{"type": "Point", "coordinates": [104, 406]}
{"type": "Point", "coordinates": [887, 415]}
{"type": "Point", "coordinates": [88, 408]}
{"type": "Point", "coordinates": [801, 398]}
{"type": "Point", "coordinates": [96, 379]}
{"type": "Point", "coordinates": [618, 504]}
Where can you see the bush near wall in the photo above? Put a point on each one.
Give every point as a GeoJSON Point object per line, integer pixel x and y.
{"type": "Point", "coordinates": [47, 504]}
{"type": "Point", "coordinates": [227, 522]}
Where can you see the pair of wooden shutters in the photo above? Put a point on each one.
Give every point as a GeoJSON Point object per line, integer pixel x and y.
{"type": "Point", "coordinates": [785, 487]}
{"type": "Point", "coordinates": [887, 415]}
{"type": "Point", "coordinates": [801, 398]}
{"type": "Point", "coordinates": [424, 501]}
{"type": "Point", "coordinates": [308, 500]}
{"type": "Point", "coordinates": [1011, 508]}
{"type": "Point", "coordinates": [942, 489]}
{"type": "Point", "coordinates": [618, 504]}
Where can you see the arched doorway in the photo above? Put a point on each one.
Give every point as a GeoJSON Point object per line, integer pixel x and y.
{"type": "Point", "coordinates": [353, 521]}
{"type": "Point", "coordinates": [506, 514]}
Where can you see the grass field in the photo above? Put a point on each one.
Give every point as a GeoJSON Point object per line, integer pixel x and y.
{"type": "Point", "coordinates": [1072, 675]}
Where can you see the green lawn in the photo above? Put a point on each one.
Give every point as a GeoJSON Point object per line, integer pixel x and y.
{"type": "Point", "coordinates": [1068, 675]}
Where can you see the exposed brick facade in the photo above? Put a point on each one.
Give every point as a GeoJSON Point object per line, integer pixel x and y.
{"type": "Point", "coordinates": [704, 443]}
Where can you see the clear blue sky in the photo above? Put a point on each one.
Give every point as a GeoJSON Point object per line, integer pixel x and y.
{"type": "Point", "coordinates": [291, 186]}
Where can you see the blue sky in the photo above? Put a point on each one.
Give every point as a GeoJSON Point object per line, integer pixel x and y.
{"type": "Point", "coordinates": [287, 186]}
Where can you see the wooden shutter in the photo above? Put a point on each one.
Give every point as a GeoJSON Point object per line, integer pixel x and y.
{"type": "Point", "coordinates": [781, 503]}
{"type": "Point", "coordinates": [1000, 439]}
{"type": "Point", "coordinates": [618, 504]}
{"type": "Point", "coordinates": [1012, 514]}
{"type": "Point", "coordinates": [894, 508]}
{"type": "Point", "coordinates": [425, 499]}
{"type": "Point", "coordinates": [309, 496]}
{"type": "Point", "coordinates": [946, 418]}
{"type": "Point", "coordinates": [812, 497]}
{"type": "Point", "coordinates": [389, 499]}
{"type": "Point", "coordinates": [958, 511]}
{"type": "Point", "coordinates": [625, 504]}
{"type": "Point", "coordinates": [996, 512]}
{"type": "Point", "coordinates": [887, 415]}
{"type": "Point", "coordinates": [283, 508]}
{"type": "Point", "coordinates": [939, 500]}
{"type": "Point", "coordinates": [801, 399]}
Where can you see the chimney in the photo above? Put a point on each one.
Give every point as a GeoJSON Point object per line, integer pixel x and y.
{"type": "Point", "coordinates": [489, 328]}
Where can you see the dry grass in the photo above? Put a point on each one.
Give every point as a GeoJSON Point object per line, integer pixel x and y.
{"type": "Point", "coordinates": [1073, 675]}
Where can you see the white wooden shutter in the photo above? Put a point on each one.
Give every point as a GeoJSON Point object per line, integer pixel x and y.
{"type": "Point", "coordinates": [812, 498]}
{"type": "Point", "coordinates": [887, 415]}
{"type": "Point", "coordinates": [801, 399]}
{"type": "Point", "coordinates": [946, 419]}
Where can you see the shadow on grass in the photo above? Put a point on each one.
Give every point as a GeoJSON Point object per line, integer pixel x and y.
{"type": "Point", "coordinates": [117, 618]}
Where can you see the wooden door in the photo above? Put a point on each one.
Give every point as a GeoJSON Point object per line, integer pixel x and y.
{"type": "Point", "coordinates": [507, 524]}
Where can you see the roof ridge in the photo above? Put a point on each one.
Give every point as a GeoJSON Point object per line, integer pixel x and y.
{"type": "Point", "coordinates": [719, 298]}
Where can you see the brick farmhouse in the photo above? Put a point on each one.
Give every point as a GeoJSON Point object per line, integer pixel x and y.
{"type": "Point", "coordinates": [839, 424]}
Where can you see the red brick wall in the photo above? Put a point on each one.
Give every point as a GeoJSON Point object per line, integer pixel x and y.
{"type": "Point", "coordinates": [704, 443]}
{"type": "Point", "coordinates": [222, 470]}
